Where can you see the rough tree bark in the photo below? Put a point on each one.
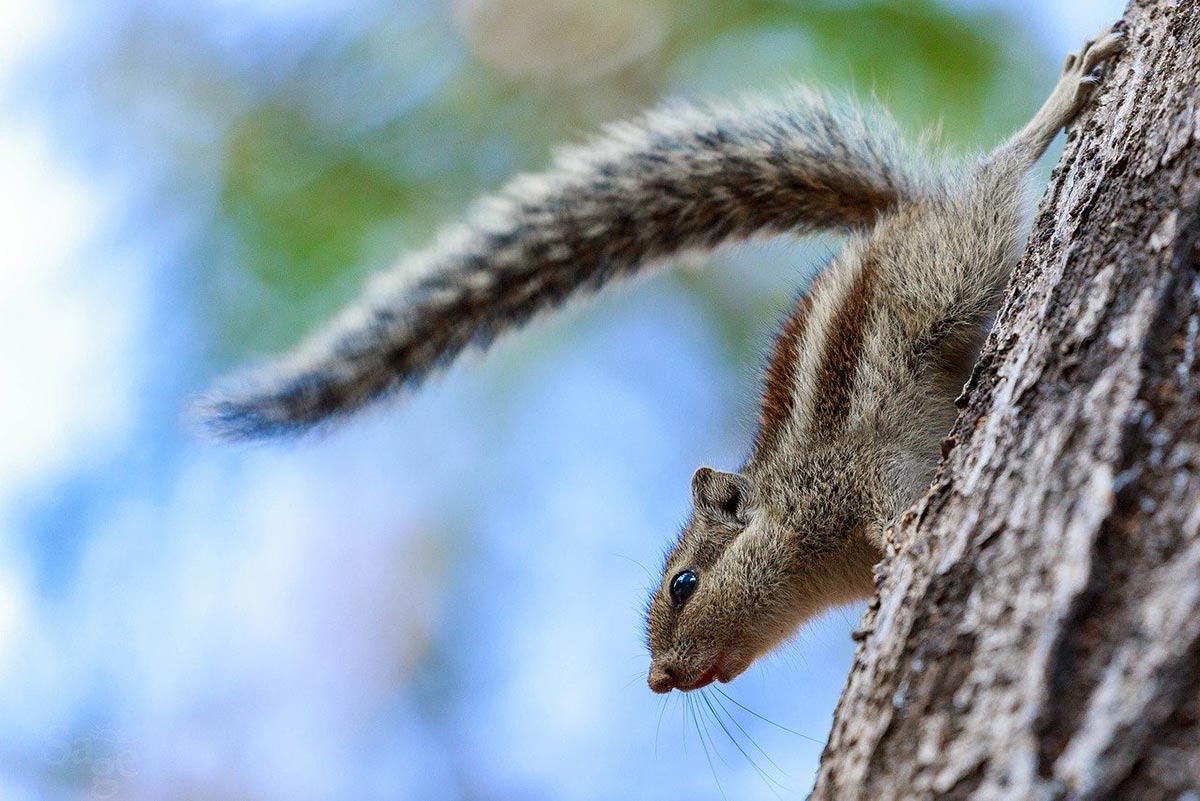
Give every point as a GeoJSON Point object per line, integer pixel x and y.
{"type": "Point", "coordinates": [1036, 633]}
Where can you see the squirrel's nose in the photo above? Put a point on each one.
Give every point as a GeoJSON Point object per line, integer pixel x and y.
{"type": "Point", "coordinates": [663, 679]}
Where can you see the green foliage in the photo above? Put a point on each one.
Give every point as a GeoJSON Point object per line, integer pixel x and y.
{"type": "Point", "coordinates": [303, 206]}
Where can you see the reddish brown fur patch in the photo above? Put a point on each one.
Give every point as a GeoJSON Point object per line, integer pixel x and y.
{"type": "Point", "coordinates": [779, 386]}
{"type": "Point", "coordinates": [835, 376]}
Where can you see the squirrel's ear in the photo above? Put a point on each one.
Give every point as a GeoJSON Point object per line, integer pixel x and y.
{"type": "Point", "coordinates": [721, 496]}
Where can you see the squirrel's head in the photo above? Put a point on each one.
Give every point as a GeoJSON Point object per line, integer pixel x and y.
{"type": "Point", "coordinates": [741, 579]}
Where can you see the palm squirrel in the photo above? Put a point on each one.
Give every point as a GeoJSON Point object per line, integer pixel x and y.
{"type": "Point", "coordinates": [861, 382]}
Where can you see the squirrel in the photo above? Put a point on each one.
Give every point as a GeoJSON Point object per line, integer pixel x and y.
{"type": "Point", "coordinates": [861, 382]}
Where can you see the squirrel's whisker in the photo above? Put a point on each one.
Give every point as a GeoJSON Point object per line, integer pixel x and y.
{"type": "Point", "coordinates": [745, 708]}
{"type": "Point", "coordinates": [770, 781]}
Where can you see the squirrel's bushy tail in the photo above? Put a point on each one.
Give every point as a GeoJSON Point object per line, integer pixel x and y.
{"type": "Point", "coordinates": [680, 178]}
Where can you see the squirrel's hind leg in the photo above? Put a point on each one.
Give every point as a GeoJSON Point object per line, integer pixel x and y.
{"type": "Point", "coordinates": [1081, 74]}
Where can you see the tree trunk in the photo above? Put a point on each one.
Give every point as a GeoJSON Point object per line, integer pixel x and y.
{"type": "Point", "coordinates": [1036, 632]}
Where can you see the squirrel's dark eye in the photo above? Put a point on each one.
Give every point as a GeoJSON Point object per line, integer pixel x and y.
{"type": "Point", "coordinates": [682, 586]}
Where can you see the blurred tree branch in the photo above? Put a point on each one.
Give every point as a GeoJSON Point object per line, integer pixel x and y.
{"type": "Point", "coordinates": [1036, 634]}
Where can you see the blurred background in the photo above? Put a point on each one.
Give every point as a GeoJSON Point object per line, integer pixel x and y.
{"type": "Point", "coordinates": [441, 599]}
